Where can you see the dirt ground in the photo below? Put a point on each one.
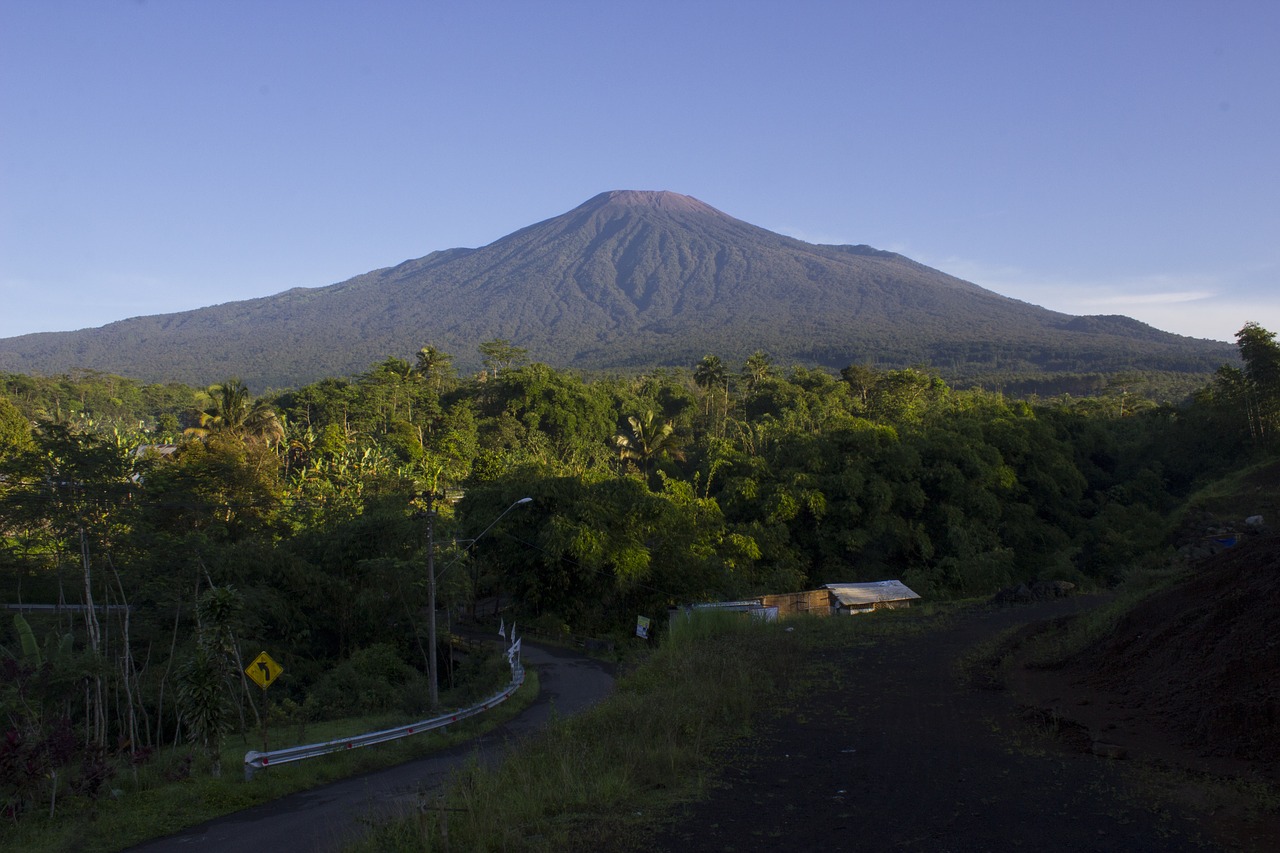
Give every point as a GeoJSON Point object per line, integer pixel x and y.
{"type": "Point", "coordinates": [908, 753]}
{"type": "Point", "coordinates": [1190, 681]}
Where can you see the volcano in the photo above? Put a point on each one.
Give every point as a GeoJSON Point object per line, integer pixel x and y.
{"type": "Point", "coordinates": [627, 281]}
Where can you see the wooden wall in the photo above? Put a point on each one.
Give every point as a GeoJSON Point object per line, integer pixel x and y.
{"type": "Point", "coordinates": [814, 602]}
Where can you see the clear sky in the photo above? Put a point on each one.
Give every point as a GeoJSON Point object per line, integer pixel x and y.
{"type": "Point", "coordinates": [1091, 157]}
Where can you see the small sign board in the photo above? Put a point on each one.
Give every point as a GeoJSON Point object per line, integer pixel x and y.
{"type": "Point", "coordinates": [263, 670]}
{"type": "Point", "coordinates": [642, 627]}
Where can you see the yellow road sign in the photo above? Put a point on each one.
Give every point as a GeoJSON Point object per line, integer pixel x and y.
{"type": "Point", "coordinates": [263, 670]}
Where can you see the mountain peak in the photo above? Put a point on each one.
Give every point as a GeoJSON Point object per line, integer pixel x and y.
{"type": "Point", "coordinates": [653, 199]}
{"type": "Point", "coordinates": [627, 280]}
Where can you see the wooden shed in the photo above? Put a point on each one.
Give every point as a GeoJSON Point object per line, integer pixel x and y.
{"type": "Point", "coordinates": [812, 602]}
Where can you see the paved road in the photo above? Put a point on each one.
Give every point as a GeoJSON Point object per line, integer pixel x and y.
{"type": "Point", "coordinates": [325, 819]}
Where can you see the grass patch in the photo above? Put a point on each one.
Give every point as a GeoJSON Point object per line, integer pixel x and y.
{"type": "Point", "coordinates": [1237, 813]}
{"type": "Point", "coordinates": [1238, 494]}
{"type": "Point", "coordinates": [174, 791]}
{"type": "Point", "coordinates": [1069, 637]}
{"type": "Point", "coordinates": [1053, 644]}
{"type": "Point", "coordinates": [606, 779]}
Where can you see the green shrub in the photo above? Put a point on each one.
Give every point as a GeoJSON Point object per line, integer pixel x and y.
{"type": "Point", "coordinates": [373, 680]}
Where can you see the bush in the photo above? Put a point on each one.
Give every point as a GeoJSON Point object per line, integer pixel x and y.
{"type": "Point", "coordinates": [483, 672]}
{"type": "Point", "coordinates": [373, 680]}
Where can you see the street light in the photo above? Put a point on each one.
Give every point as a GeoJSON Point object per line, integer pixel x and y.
{"type": "Point", "coordinates": [431, 498]}
{"type": "Point", "coordinates": [499, 518]}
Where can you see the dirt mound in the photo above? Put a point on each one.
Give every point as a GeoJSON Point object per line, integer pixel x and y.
{"type": "Point", "coordinates": [1201, 660]}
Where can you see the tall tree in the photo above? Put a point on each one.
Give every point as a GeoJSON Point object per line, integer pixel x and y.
{"type": "Point", "coordinates": [435, 366]}
{"type": "Point", "coordinates": [500, 354]}
{"type": "Point", "coordinates": [1261, 356]}
{"type": "Point", "coordinates": [204, 682]}
{"type": "Point", "coordinates": [862, 380]}
{"type": "Point", "coordinates": [71, 493]}
{"type": "Point", "coordinates": [229, 408]}
{"type": "Point", "coordinates": [711, 373]}
{"type": "Point", "coordinates": [15, 429]}
{"type": "Point", "coordinates": [757, 368]}
{"type": "Point", "coordinates": [713, 378]}
{"type": "Point", "coordinates": [904, 395]}
{"type": "Point", "coordinates": [646, 439]}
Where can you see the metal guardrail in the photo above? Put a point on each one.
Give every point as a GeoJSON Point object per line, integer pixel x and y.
{"type": "Point", "coordinates": [255, 761]}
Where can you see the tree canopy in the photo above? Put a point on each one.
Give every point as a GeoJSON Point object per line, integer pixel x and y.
{"type": "Point", "coordinates": [195, 525]}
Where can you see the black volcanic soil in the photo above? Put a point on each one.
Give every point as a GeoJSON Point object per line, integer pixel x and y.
{"type": "Point", "coordinates": [910, 753]}
{"type": "Point", "coordinates": [1189, 679]}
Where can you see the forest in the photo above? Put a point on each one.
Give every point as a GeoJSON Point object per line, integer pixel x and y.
{"type": "Point", "coordinates": [154, 538]}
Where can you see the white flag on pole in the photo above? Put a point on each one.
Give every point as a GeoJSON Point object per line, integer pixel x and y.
{"type": "Point", "coordinates": [502, 629]}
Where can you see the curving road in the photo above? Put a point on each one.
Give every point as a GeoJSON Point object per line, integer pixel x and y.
{"type": "Point", "coordinates": [326, 819]}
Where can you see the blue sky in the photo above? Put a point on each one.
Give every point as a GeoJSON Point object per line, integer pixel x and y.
{"type": "Point", "coordinates": [1090, 157]}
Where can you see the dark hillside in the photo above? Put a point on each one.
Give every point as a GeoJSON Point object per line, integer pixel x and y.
{"type": "Point", "coordinates": [1202, 660]}
{"type": "Point", "coordinates": [1190, 677]}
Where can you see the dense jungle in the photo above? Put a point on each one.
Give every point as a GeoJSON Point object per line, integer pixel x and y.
{"type": "Point", "coordinates": [154, 538]}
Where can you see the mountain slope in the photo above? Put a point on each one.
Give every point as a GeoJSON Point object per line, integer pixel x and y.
{"type": "Point", "coordinates": [626, 280]}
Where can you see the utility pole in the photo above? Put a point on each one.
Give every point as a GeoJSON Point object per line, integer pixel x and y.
{"type": "Point", "coordinates": [430, 513]}
{"type": "Point", "coordinates": [431, 498]}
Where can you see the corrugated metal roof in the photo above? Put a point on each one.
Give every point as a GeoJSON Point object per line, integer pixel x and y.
{"type": "Point", "coordinates": [745, 604]}
{"type": "Point", "coordinates": [861, 594]}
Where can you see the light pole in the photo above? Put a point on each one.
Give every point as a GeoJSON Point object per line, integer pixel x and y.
{"type": "Point", "coordinates": [431, 498]}
{"type": "Point", "coordinates": [430, 513]}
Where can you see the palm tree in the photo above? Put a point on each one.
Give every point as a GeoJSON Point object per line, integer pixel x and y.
{"type": "Point", "coordinates": [710, 373]}
{"type": "Point", "coordinates": [758, 367]}
{"type": "Point", "coordinates": [647, 439]}
{"type": "Point", "coordinates": [228, 409]}
{"type": "Point", "coordinates": [435, 366]}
